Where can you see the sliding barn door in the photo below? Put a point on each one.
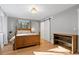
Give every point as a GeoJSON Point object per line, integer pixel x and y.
{"type": "Point", "coordinates": [45, 30]}
{"type": "Point", "coordinates": [42, 30]}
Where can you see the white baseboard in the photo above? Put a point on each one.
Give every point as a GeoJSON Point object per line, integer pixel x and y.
{"type": "Point", "coordinates": [52, 41]}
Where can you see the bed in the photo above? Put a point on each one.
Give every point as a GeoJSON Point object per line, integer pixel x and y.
{"type": "Point", "coordinates": [25, 38]}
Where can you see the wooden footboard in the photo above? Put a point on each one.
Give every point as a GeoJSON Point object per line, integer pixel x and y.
{"type": "Point", "coordinates": [24, 41]}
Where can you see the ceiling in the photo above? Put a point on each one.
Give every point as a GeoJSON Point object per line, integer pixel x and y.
{"type": "Point", "coordinates": [24, 10]}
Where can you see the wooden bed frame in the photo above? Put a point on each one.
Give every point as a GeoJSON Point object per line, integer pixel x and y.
{"type": "Point", "coordinates": [25, 41]}
{"type": "Point", "coordinates": [24, 29]}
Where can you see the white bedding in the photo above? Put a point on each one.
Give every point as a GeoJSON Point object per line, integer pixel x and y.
{"type": "Point", "coordinates": [27, 34]}
{"type": "Point", "coordinates": [24, 32]}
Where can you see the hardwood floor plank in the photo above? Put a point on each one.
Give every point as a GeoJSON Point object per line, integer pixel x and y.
{"type": "Point", "coordinates": [44, 46]}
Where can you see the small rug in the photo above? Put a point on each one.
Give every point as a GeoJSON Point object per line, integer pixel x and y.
{"type": "Point", "coordinates": [60, 49]}
{"type": "Point", "coordinates": [48, 53]}
{"type": "Point", "coordinates": [54, 51]}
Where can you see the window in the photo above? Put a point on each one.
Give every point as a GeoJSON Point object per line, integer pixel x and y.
{"type": "Point", "coordinates": [24, 24]}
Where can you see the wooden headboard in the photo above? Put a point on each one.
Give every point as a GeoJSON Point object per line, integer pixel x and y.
{"type": "Point", "coordinates": [24, 29]}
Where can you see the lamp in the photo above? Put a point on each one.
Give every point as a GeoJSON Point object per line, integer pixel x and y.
{"type": "Point", "coordinates": [34, 10]}
{"type": "Point", "coordinates": [33, 29]}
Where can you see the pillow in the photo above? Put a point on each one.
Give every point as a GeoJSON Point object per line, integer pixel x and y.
{"type": "Point", "coordinates": [22, 31]}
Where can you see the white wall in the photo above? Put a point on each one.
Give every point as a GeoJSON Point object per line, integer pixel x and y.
{"type": "Point", "coordinates": [12, 24]}
{"type": "Point", "coordinates": [66, 21]}
{"type": "Point", "coordinates": [35, 25]}
{"type": "Point", "coordinates": [78, 30]}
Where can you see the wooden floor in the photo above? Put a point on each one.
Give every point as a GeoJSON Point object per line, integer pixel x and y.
{"type": "Point", "coordinates": [8, 49]}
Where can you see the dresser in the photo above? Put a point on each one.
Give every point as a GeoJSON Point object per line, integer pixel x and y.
{"type": "Point", "coordinates": [68, 41]}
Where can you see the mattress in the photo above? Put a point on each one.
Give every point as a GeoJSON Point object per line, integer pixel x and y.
{"type": "Point", "coordinates": [24, 33]}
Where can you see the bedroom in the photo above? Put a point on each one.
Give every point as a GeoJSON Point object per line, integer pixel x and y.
{"type": "Point", "coordinates": [46, 20]}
